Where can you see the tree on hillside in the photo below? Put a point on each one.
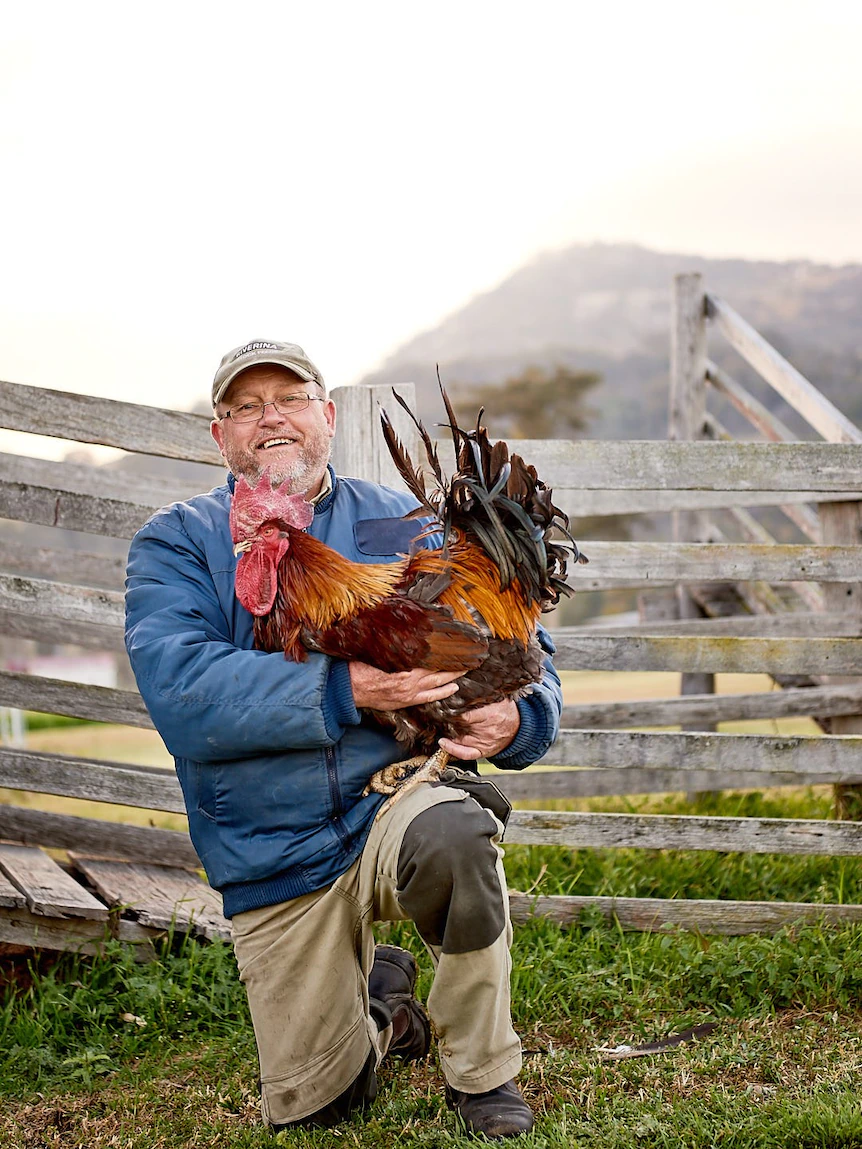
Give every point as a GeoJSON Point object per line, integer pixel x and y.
{"type": "Point", "coordinates": [537, 403]}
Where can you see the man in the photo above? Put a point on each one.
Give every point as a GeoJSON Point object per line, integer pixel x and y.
{"type": "Point", "coordinates": [274, 757]}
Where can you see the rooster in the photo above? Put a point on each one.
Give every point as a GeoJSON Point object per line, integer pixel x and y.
{"type": "Point", "coordinates": [469, 605]}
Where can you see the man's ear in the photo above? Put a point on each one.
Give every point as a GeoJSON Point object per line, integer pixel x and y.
{"type": "Point", "coordinates": [217, 432]}
{"type": "Point", "coordinates": [329, 414]}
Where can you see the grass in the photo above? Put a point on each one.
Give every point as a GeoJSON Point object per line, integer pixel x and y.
{"type": "Point", "coordinates": [104, 1053]}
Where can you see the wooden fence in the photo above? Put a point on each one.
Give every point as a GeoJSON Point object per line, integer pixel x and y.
{"type": "Point", "coordinates": [725, 603]}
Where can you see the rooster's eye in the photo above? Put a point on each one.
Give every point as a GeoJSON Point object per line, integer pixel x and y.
{"type": "Point", "coordinates": [267, 531]}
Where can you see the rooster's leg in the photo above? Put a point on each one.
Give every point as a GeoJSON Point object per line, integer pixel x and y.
{"type": "Point", "coordinates": [396, 779]}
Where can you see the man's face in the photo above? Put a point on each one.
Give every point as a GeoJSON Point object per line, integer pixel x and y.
{"type": "Point", "coordinates": [294, 448]}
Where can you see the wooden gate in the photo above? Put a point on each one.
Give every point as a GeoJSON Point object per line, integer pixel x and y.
{"type": "Point", "coordinates": [740, 603]}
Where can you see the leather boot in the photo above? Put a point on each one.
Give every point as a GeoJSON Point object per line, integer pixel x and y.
{"type": "Point", "coordinates": [498, 1113]}
{"type": "Point", "coordinates": [390, 989]}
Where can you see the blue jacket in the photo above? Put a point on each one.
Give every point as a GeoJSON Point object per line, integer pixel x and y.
{"type": "Point", "coordinates": [272, 755]}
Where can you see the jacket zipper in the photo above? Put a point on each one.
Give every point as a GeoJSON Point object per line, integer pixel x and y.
{"type": "Point", "coordinates": [335, 793]}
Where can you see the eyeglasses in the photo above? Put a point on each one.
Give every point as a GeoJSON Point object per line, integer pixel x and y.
{"type": "Point", "coordinates": [287, 405]}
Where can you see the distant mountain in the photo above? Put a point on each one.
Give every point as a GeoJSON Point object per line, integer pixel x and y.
{"type": "Point", "coordinates": [606, 307]}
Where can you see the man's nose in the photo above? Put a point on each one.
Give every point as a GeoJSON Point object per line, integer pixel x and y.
{"type": "Point", "coordinates": [270, 416]}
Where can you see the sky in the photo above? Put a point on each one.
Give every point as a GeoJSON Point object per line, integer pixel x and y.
{"type": "Point", "coordinates": [179, 178]}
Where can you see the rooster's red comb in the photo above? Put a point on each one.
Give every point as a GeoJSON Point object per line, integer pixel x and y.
{"type": "Point", "coordinates": [252, 506]}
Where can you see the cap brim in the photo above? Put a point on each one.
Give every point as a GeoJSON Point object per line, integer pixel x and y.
{"type": "Point", "coordinates": [284, 361]}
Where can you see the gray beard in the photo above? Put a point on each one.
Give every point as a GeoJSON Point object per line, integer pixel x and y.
{"type": "Point", "coordinates": [300, 474]}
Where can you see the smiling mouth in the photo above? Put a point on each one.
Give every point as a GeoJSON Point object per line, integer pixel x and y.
{"type": "Point", "coordinates": [275, 443]}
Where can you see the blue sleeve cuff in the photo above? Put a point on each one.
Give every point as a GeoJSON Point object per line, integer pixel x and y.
{"type": "Point", "coordinates": [534, 738]}
{"type": "Point", "coordinates": [339, 709]}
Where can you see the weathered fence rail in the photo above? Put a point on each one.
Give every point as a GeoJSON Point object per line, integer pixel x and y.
{"type": "Point", "coordinates": [749, 605]}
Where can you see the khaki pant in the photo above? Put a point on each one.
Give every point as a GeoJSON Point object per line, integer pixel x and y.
{"type": "Point", "coordinates": [305, 966]}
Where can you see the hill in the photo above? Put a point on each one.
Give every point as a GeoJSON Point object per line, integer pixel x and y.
{"type": "Point", "coordinates": [606, 307]}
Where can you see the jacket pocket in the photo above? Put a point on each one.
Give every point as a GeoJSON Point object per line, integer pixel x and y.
{"type": "Point", "coordinates": [385, 536]}
{"type": "Point", "coordinates": [206, 787]}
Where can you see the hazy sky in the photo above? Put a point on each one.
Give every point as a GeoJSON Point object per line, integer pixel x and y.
{"type": "Point", "coordinates": [178, 178]}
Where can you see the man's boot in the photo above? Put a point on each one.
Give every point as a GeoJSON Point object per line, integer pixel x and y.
{"type": "Point", "coordinates": [498, 1113]}
{"type": "Point", "coordinates": [390, 989]}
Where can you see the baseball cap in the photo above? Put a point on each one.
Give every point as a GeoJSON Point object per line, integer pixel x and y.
{"type": "Point", "coordinates": [288, 355]}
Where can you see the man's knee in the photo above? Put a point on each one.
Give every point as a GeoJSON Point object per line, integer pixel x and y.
{"type": "Point", "coordinates": [447, 877]}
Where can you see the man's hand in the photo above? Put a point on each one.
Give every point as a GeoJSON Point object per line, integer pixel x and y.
{"type": "Point", "coordinates": [376, 690]}
{"type": "Point", "coordinates": [492, 728]}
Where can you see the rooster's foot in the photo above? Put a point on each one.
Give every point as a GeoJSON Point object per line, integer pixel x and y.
{"type": "Point", "coordinates": [388, 780]}
{"type": "Point", "coordinates": [394, 780]}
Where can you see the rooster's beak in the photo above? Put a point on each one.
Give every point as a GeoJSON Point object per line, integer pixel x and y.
{"type": "Point", "coordinates": [241, 548]}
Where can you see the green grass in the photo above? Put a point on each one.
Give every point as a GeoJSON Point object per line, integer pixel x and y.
{"type": "Point", "coordinates": [781, 1069]}
{"type": "Point", "coordinates": [37, 721]}
{"type": "Point", "coordinates": [106, 1052]}
{"type": "Point", "coordinates": [109, 1054]}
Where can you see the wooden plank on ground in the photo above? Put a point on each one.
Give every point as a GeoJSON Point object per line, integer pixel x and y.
{"type": "Point", "coordinates": [785, 656]}
{"type": "Point", "coordinates": [809, 754]}
{"type": "Point", "coordinates": [158, 896]}
{"type": "Point", "coordinates": [10, 896]}
{"type": "Point", "coordinates": [77, 935]}
{"type": "Point", "coordinates": [684, 832]}
{"type": "Point", "coordinates": [704, 917]}
{"type": "Point", "coordinates": [49, 890]}
{"type": "Point", "coordinates": [92, 419]}
{"type": "Point", "coordinates": [97, 838]}
{"type": "Point", "coordinates": [75, 699]}
{"type": "Point", "coordinates": [35, 931]}
{"type": "Point", "coordinates": [120, 783]}
{"type": "Point", "coordinates": [820, 701]}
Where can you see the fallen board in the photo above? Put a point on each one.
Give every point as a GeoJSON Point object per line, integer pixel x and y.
{"type": "Point", "coordinates": [9, 895]}
{"type": "Point", "coordinates": [19, 927]}
{"type": "Point", "coordinates": [48, 890]}
{"type": "Point", "coordinates": [160, 897]}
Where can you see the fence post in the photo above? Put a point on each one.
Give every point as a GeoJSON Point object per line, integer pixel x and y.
{"type": "Point", "coordinates": [841, 525]}
{"type": "Point", "coordinates": [359, 449]}
{"type": "Point", "coordinates": [687, 410]}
